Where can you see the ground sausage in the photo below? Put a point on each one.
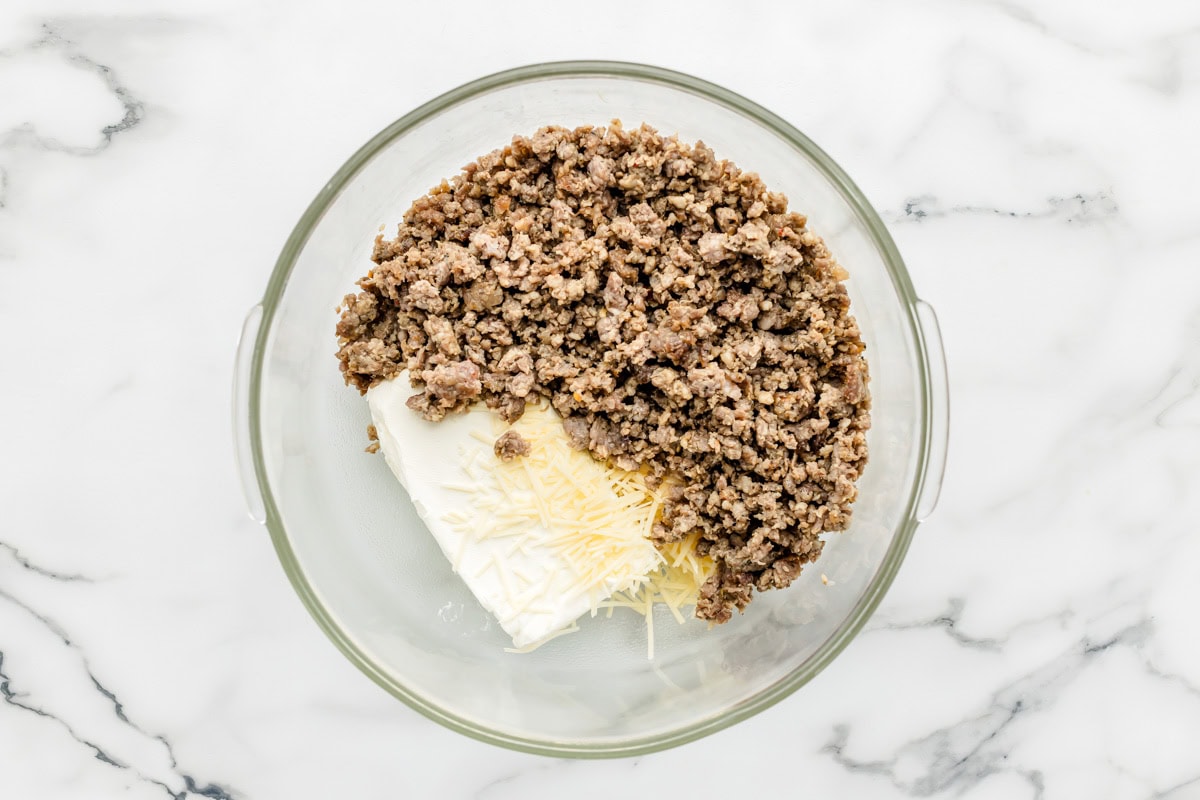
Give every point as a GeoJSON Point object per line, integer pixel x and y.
{"type": "Point", "coordinates": [672, 310]}
{"type": "Point", "coordinates": [511, 446]}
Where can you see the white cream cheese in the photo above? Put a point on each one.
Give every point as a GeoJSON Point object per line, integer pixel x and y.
{"type": "Point", "coordinates": [539, 541]}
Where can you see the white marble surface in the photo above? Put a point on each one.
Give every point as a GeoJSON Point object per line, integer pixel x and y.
{"type": "Point", "coordinates": [1037, 164]}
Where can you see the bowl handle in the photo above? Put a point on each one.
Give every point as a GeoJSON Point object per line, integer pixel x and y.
{"type": "Point", "coordinates": [939, 411]}
{"type": "Point", "coordinates": [241, 414]}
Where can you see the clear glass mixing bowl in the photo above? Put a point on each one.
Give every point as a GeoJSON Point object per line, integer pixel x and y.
{"type": "Point", "coordinates": [375, 580]}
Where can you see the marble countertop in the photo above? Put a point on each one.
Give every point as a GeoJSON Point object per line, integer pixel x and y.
{"type": "Point", "coordinates": [1036, 163]}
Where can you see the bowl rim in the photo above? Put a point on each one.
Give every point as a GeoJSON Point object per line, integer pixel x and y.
{"type": "Point", "coordinates": [901, 538]}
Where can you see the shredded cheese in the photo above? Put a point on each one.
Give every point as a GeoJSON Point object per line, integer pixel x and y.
{"type": "Point", "coordinates": [594, 517]}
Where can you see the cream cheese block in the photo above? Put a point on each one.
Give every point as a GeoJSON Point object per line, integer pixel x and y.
{"type": "Point", "coordinates": [540, 540]}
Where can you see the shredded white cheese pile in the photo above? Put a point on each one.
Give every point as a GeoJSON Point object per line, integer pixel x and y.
{"type": "Point", "coordinates": [597, 518]}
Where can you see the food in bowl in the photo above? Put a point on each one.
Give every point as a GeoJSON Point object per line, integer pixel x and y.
{"type": "Point", "coordinates": [540, 531]}
{"type": "Point", "coordinates": [637, 302]}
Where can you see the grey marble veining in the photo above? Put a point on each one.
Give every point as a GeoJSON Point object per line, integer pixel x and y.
{"type": "Point", "coordinates": [1034, 161]}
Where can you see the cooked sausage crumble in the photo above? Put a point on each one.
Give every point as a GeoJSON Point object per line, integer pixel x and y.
{"type": "Point", "coordinates": [667, 305]}
{"type": "Point", "coordinates": [511, 446]}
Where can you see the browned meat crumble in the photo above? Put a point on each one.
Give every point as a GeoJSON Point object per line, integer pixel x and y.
{"type": "Point", "coordinates": [511, 446]}
{"type": "Point", "coordinates": [667, 305]}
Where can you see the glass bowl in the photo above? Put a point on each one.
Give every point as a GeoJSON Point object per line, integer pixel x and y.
{"type": "Point", "coordinates": [374, 579]}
